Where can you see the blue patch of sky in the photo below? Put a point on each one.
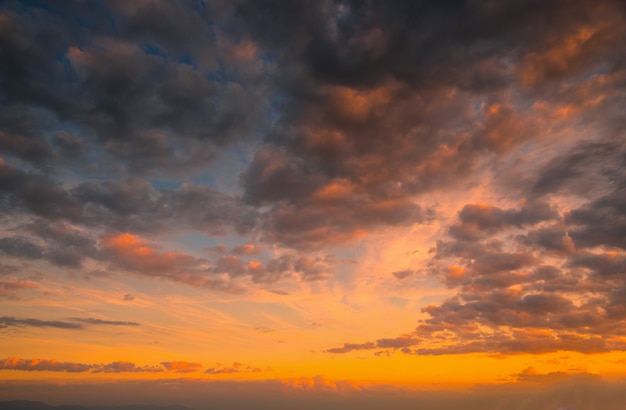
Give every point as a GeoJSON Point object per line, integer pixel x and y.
{"type": "Point", "coordinates": [98, 10]}
{"type": "Point", "coordinates": [187, 59]}
{"type": "Point", "coordinates": [112, 25]}
{"type": "Point", "coordinates": [153, 50]}
{"type": "Point", "coordinates": [163, 184]}
{"type": "Point", "coordinates": [219, 75]}
{"type": "Point", "coordinates": [601, 70]}
{"type": "Point", "coordinates": [229, 164]}
{"type": "Point", "coordinates": [277, 102]}
{"type": "Point", "coordinates": [70, 77]}
{"type": "Point", "coordinates": [197, 242]}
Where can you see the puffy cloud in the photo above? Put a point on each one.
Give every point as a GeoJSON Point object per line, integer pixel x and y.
{"type": "Point", "coordinates": [143, 81]}
{"type": "Point", "coordinates": [475, 220]}
{"type": "Point", "coordinates": [134, 204]}
{"type": "Point", "coordinates": [559, 286]}
{"type": "Point", "coordinates": [35, 193]}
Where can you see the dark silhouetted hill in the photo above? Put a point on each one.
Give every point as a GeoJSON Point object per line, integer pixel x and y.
{"type": "Point", "coordinates": [37, 405]}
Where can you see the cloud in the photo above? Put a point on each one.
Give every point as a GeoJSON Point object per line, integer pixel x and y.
{"type": "Point", "coordinates": [94, 321]}
{"type": "Point", "coordinates": [14, 363]}
{"type": "Point", "coordinates": [347, 347]}
{"type": "Point", "coordinates": [35, 193]}
{"type": "Point", "coordinates": [131, 82]}
{"type": "Point", "coordinates": [76, 322]}
{"type": "Point", "coordinates": [6, 321]}
{"type": "Point", "coordinates": [530, 375]}
{"type": "Point", "coordinates": [483, 219]}
{"type": "Point", "coordinates": [125, 367]}
{"type": "Point", "coordinates": [558, 286]}
{"type": "Point", "coordinates": [181, 366]}
{"type": "Point", "coordinates": [402, 274]}
{"type": "Point", "coordinates": [235, 368]}
{"type": "Point", "coordinates": [7, 285]}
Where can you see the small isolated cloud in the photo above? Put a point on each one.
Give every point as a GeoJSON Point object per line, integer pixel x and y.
{"type": "Point", "coordinates": [14, 363]}
{"type": "Point", "coordinates": [235, 368]}
{"type": "Point", "coordinates": [348, 347]}
{"type": "Point", "coordinates": [7, 321]}
{"type": "Point", "coordinates": [530, 375]}
{"type": "Point", "coordinates": [181, 366]}
{"type": "Point", "coordinates": [246, 249]}
{"type": "Point", "coordinates": [126, 367]}
{"type": "Point", "coordinates": [402, 342]}
{"type": "Point", "coordinates": [402, 274]}
{"type": "Point", "coordinates": [94, 321]}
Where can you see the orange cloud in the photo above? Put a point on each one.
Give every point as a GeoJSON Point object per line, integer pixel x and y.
{"type": "Point", "coordinates": [133, 253]}
{"type": "Point", "coordinates": [235, 368]}
{"type": "Point", "coordinates": [182, 367]}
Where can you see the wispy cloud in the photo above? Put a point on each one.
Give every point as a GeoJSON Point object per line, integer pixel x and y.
{"type": "Point", "coordinates": [73, 323]}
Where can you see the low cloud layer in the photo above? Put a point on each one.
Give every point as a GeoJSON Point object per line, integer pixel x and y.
{"type": "Point", "coordinates": [51, 365]}
{"type": "Point", "coordinates": [578, 392]}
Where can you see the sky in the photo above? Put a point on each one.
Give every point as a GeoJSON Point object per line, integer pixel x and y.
{"type": "Point", "coordinates": [314, 203]}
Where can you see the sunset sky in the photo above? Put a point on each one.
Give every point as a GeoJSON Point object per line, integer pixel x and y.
{"type": "Point", "coordinates": [365, 202]}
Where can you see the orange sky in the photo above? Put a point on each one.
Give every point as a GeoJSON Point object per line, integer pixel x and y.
{"type": "Point", "coordinates": [383, 198]}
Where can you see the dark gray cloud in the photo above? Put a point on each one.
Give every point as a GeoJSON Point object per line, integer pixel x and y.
{"type": "Point", "coordinates": [14, 363]}
{"type": "Point", "coordinates": [73, 323]}
{"type": "Point", "coordinates": [359, 107]}
{"type": "Point", "coordinates": [36, 194]}
{"type": "Point", "coordinates": [135, 94]}
{"type": "Point", "coordinates": [20, 247]}
{"type": "Point", "coordinates": [369, 113]}
{"type": "Point", "coordinates": [475, 220]}
{"type": "Point", "coordinates": [94, 321]}
{"type": "Point", "coordinates": [135, 205]}
{"type": "Point", "coordinates": [7, 321]}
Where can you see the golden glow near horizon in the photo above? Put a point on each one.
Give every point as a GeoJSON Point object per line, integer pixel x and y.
{"type": "Point", "coordinates": [381, 198]}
